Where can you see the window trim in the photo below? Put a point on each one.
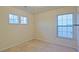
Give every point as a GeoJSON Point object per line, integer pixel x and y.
{"type": "Point", "coordinates": [13, 23]}
{"type": "Point", "coordinates": [72, 26]}
{"type": "Point", "coordinates": [27, 20]}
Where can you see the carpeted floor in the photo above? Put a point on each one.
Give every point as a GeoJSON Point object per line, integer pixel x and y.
{"type": "Point", "coordinates": [39, 46]}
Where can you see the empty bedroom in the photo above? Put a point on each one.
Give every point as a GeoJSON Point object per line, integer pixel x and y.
{"type": "Point", "coordinates": [39, 28]}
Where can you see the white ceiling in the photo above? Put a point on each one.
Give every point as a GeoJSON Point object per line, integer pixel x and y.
{"type": "Point", "coordinates": [37, 9]}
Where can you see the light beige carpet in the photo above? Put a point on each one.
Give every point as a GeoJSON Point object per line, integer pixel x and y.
{"type": "Point", "coordinates": [39, 46]}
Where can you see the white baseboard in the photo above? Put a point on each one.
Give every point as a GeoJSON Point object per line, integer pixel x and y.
{"type": "Point", "coordinates": [13, 45]}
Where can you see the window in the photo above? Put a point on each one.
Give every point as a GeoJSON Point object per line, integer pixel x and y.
{"type": "Point", "coordinates": [13, 19]}
{"type": "Point", "coordinates": [24, 20]}
{"type": "Point", "coordinates": [65, 26]}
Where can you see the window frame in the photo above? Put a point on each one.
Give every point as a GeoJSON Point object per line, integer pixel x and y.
{"type": "Point", "coordinates": [72, 26]}
{"type": "Point", "coordinates": [13, 23]}
{"type": "Point", "coordinates": [27, 20]}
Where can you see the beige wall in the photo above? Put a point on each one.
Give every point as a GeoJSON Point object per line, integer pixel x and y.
{"type": "Point", "coordinates": [46, 27]}
{"type": "Point", "coordinates": [11, 35]}
{"type": "Point", "coordinates": [77, 28]}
